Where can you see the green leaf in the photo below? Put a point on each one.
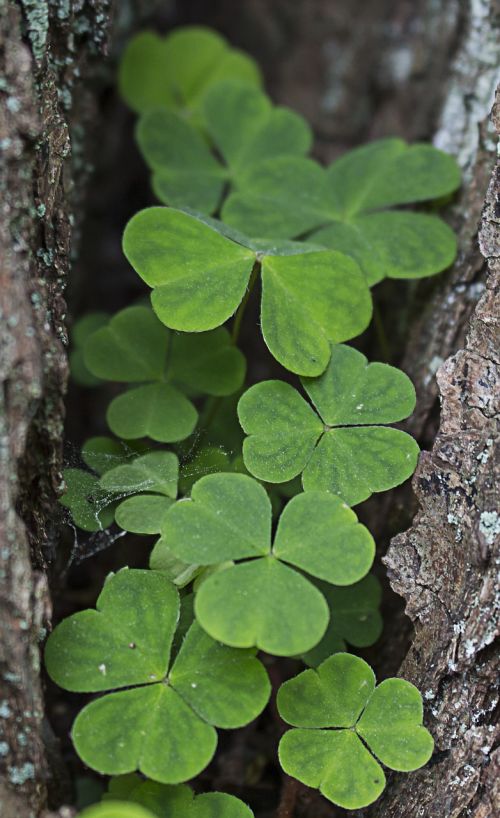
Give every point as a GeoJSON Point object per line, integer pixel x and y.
{"type": "Point", "coordinates": [207, 460]}
{"type": "Point", "coordinates": [116, 809]}
{"type": "Point", "coordinates": [158, 411]}
{"type": "Point", "coordinates": [283, 431]}
{"type": "Point", "coordinates": [104, 453]}
{"type": "Point", "coordinates": [354, 618]}
{"type": "Point", "coordinates": [176, 71]}
{"type": "Point", "coordinates": [391, 726]}
{"type": "Point", "coordinates": [336, 763]}
{"type": "Point", "coordinates": [289, 197]}
{"type": "Point", "coordinates": [350, 462]}
{"type": "Point", "coordinates": [131, 348]}
{"type": "Point", "coordinates": [207, 362]}
{"type": "Point", "coordinates": [155, 472]}
{"type": "Point", "coordinates": [82, 330]}
{"type": "Point", "coordinates": [165, 730]}
{"type": "Point", "coordinates": [341, 694]}
{"type": "Point", "coordinates": [262, 603]}
{"type": "Point", "coordinates": [126, 641]}
{"type": "Point", "coordinates": [244, 128]}
{"type": "Point", "coordinates": [142, 514]}
{"type": "Point", "coordinates": [86, 500]}
{"type": "Point", "coordinates": [318, 533]}
{"type": "Point", "coordinates": [178, 801]}
{"type": "Point", "coordinates": [178, 571]}
{"type": "Point", "coordinates": [228, 517]}
{"type": "Point", "coordinates": [199, 277]}
{"type": "Point", "coordinates": [299, 323]}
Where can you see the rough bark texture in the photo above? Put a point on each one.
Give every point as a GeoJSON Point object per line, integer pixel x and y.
{"type": "Point", "coordinates": [44, 46]}
{"type": "Point", "coordinates": [446, 568]}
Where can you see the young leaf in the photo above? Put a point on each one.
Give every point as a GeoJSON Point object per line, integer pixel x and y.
{"type": "Point", "coordinates": [244, 128]}
{"type": "Point", "coordinates": [340, 695]}
{"type": "Point", "coordinates": [178, 571]}
{"type": "Point", "coordinates": [155, 472]}
{"type": "Point", "coordinates": [86, 500]}
{"type": "Point", "coordinates": [352, 462]}
{"type": "Point", "coordinates": [165, 730]}
{"type": "Point", "coordinates": [215, 271]}
{"type": "Point", "coordinates": [177, 801]}
{"type": "Point", "coordinates": [176, 71]}
{"type": "Point", "coordinates": [158, 410]}
{"type": "Point", "coordinates": [142, 514]}
{"type": "Point", "coordinates": [263, 601]}
{"type": "Point", "coordinates": [354, 618]}
{"type": "Point", "coordinates": [291, 196]}
{"type": "Point", "coordinates": [116, 809]}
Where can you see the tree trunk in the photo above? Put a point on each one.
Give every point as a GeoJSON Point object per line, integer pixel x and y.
{"type": "Point", "coordinates": [43, 49]}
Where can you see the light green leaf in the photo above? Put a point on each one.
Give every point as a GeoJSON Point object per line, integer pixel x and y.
{"type": "Point", "coordinates": [318, 533]}
{"type": "Point", "coordinates": [341, 694]}
{"type": "Point", "coordinates": [176, 71]}
{"type": "Point", "coordinates": [155, 472]}
{"type": "Point", "coordinates": [350, 462]}
{"type": "Point", "coordinates": [116, 809]}
{"type": "Point", "coordinates": [179, 801]}
{"type": "Point", "coordinates": [392, 726]}
{"type": "Point", "coordinates": [143, 514]}
{"type": "Point", "coordinates": [356, 462]}
{"type": "Point", "coordinates": [336, 763]}
{"type": "Point", "coordinates": [282, 198]}
{"type": "Point", "coordinates": [132, 347]}
{"type": "Point", "coordinates": [86, 500]}
{"type": "Point", "coordinates": [223, 692]}
{"type": "Point", "coordinates": [147, 728]}
{"type": "Point", "coordinates": [332, 695]}
{"type": "Point", "coordinates": [158, 411]}
{"type": "Point", "coordinates": [283, 431]}
{"type": "Point", "coordinates": [353, 392]}
{"type": "Point", "coordinates": [262, 603]}
{"type": "Point", "coordinates": [300, 322]}
{"type": "Point", "coordinates": [228, 517]}
{"type": "Point", "coordinates": [199, 277]}
{"type": "Point", "coordinates": [82, 330]}
{"type": "Point", "coordinates": [186, 172]}
{"type": "Point", "coordinates": [354, 618]}
{"type": "Point", "coordinates": [126, 641]}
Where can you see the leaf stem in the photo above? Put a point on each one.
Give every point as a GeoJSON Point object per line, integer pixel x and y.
{"type": "Point", "coordinates": [238, 318]}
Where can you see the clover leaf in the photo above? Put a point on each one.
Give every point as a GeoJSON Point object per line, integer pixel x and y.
{"type": "Point", "coordinates": [117, 809]}
{"type": "Point", "coordinates": [177, 801]}
{"type": "Point", "coordinates": [342, 719]}
{"type": "Point", "coordinates": [101, 454]}
{"type": "Point", "coordinates": [200, 276]}
{"type": "Point", "coordinates": [354, 618]}
{"type": "Point", "coordinates": [154, 472]}
{"type": "Point", "coordinates": [135, 347]}
{"type": "Point", "coordinates": [176, 71]}
{"type": "Point", "coordinates": [264, 600]}
{"type": "Point", "coordinates": [163, 723]}
{"type": "Point", "coordinates": [87, 501]}
{"type": "Point", "coordinates": [347, 205]}
{"type": "Point", "coordinates": [244, 128]}
{"type": "Point", "coordinates": [343, 448]}
{"type": "Point", "coordinates": [82, 329]}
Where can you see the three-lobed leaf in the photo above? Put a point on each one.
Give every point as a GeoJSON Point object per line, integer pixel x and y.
{"type": "Point", "coordinates": [163, 722]}
{"type": "Point", "coordinates": [342, 449]}
{"type": "Point", "coordinates": [265, 601]}
{"type": "Point", "coordinates": [340, 719]}
{"type": "Point", "coordinates": [199, 277]}
{"type": "Point", "coordinates": [175, 72]}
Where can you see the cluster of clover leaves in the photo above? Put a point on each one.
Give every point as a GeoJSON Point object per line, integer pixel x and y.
{"type": "Point", "coordinates": [257, 546]}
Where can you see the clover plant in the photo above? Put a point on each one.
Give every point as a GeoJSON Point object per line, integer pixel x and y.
{"type": "Point", "coordinates": [343, 724]}
{"type": "Point", "coordinates": [244, 517]}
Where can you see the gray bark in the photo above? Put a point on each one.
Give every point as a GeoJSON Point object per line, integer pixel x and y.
{"type": "Point", "coordinates": [44, 47]}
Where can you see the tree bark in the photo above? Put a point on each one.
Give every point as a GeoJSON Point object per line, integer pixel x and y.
{"type": "Point", "coordinates": [43, 49]}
